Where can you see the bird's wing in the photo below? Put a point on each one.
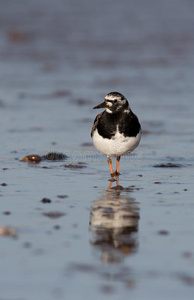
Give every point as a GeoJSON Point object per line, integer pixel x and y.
{"type": "Point", "coordinates": [96, 122]}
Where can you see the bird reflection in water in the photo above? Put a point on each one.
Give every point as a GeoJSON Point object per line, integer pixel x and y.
{"type": "Point", "coordinates": [114, 222]}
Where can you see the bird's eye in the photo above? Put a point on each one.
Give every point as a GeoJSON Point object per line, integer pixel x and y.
{"type": "Point", "coordinates": [115, 101]}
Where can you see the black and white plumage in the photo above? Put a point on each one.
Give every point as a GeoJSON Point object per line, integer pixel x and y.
{"type": "Point", "coordinates": [116, 131]}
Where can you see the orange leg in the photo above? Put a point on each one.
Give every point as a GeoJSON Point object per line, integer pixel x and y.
{"type": "Point", "coordinates": [109, 161]}
{"type": "Point", "coordinates": [117, 170]}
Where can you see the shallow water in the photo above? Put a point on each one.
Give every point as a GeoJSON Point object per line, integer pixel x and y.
{"type": "Point", "coordinates": [134, 238]}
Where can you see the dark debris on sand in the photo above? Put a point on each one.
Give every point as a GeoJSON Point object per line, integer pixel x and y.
{"type": "Point", "coordinates": [50, 156]}
{"type": "Point", "coordinates": [54, 214]}
{"type": "Point", "coordinates": [168, 165]}
{"type": "Point", "coordinates": [79, 165]}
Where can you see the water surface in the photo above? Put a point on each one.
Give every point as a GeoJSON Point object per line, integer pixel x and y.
{"type": "Point", "coordinates": [134, 238]}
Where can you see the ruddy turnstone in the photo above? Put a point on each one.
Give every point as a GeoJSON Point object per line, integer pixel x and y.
{"type": "Point", "coordinates": [116, 131]}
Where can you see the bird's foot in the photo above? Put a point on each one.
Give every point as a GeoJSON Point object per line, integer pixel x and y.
{"type": "Point", "coordinates": [115, 174]}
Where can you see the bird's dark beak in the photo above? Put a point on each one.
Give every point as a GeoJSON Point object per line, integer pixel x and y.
{"type": "Point", "coordinates": [101, 105]}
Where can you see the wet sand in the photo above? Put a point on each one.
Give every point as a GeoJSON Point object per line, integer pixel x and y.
{"type": "Point", "coordinates": [66, 231]}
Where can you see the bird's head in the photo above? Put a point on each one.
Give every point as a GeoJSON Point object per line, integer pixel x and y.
{"type": "Point", "coordinates": [114, 102]}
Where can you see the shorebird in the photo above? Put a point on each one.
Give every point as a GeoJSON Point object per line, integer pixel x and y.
{"type": "Point", "coordinates": [116, 131]}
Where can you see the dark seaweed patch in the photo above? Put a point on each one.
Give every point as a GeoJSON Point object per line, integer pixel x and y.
{"type": "Point", "coordinates": [168, 165]}
{"type": "Point", "coordinates": [55, 156]}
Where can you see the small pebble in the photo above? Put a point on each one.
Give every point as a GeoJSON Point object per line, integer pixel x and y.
{"type": "Point", "coordinates": [187, 279]}
{"type": "Point", "coordinates": [57, 227]}
{"type": "Point", "coordinates": [27, 245]}
{"type": "Point", "coordinates": [7, 213]}
{"type": "Point", "coordinates": [107, 289]}
{"type": "Point", "coordinates": [187, 254]}
{"type": "Point", "coordinates": [163, 232]}
{"type": "Point", "coordinates": [34, 158]}
{"type": "Point", "coordinates": [46, 200]}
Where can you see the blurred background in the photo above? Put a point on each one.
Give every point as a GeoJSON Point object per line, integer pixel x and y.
{"type": "Point", "coordinates": [78, 51]}
{"type": "Point", "coordinates": [88, 48]}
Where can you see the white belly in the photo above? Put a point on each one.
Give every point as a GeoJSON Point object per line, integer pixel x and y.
{"type": "Point", "coordinates": [118, 146]}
